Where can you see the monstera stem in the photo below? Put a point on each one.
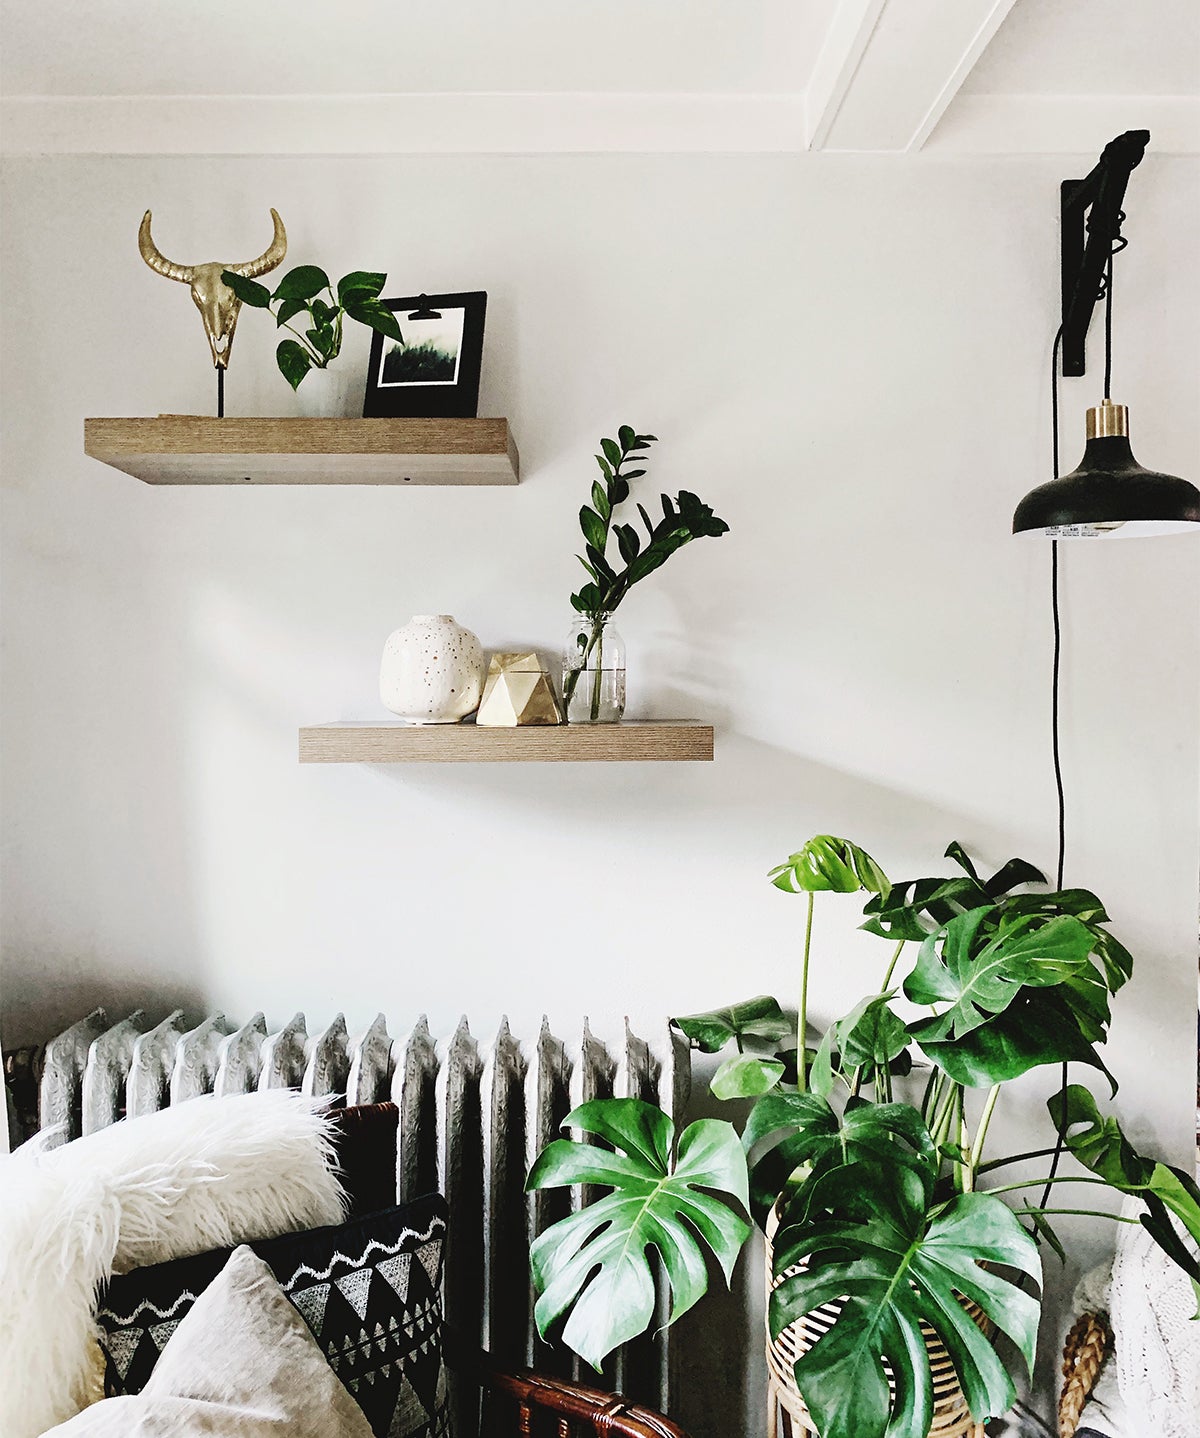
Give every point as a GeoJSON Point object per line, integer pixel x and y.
{"type": "Point", "coordinates": [985, 1118]}
{"type": "Point", "coordinates": [941, 1125]}
{"type": "Point", "coordinates": [1037, 1182]}
{"type": "Point", "coordinates": [1088, 1213]}
{"type": "Point", "coordinates": [887, 978]}
{"type": "Point", "coordinates": [802, 1013]}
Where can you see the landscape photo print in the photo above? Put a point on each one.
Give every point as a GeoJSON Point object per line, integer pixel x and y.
{"type": "Point", "coordinates": [429, 352]}
{"type": "Point", "coordinates": [433, 370]}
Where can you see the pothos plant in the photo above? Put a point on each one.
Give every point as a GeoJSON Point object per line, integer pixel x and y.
{"type": "Point", "coordinates": [870, 1149]}
{"type": "Point", "coordinates": [684, 518]}
{"type": "Point", "coordinates": [316, 323]}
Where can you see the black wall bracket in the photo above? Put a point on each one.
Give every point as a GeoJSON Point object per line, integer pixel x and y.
{"type": "Point", "coordinates": [1091, 226]}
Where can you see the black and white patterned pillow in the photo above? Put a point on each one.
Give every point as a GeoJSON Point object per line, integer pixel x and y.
{"type": "Point", "coordinates": [369, 1290]}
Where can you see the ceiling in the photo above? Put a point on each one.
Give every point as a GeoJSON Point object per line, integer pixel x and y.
{"type": "Point", "coordinates": [1101, 47]}
{"type": "Point", "coordinates": [382, 47]}
{"type": "Point", "coordinates": [537, 76]}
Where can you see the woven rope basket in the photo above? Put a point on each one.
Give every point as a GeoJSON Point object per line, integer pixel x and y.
{"type": "Point", "coordinates": [785, 1407]}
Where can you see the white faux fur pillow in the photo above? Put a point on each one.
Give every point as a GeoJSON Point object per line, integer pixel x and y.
{"type": "Point", "coordinates": [209, 1173]}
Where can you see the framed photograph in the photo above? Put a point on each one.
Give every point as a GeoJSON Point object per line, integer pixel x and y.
{"type": "Point", "coordinates": [434, 372]}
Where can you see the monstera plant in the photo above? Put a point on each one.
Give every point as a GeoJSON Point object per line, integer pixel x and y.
{"type": "Point", "coordinates": [866, 1154]}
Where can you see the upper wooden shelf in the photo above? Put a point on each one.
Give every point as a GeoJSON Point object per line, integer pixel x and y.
{"type": "Point", "coordinates": [192, 449]}
{"type": "Point", "coordinates": [371, 743]}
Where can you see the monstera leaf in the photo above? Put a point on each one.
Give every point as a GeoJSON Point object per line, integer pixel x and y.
{"type": "Point", "coordinates": [753, 1019]}
{"type": "Point", "coordinates": [870, 1033]}
{"type": "Point", "coordinates": [745, 1076]}
{"type": "Point", "coordinates": [1099, 1145]}
{"type": "Point", "coordinates": [1037, 1029]}
{"type": "Point", "coordinates": [980, 980]}
{"type": "Point", "coordinates": [917, 907]}
{"type": "Point", "coordinates": [898, 1263]}
{"type": "Point", "coordinates": [596, 1262]}
{"type": "Point", "coordinates": [1116, 962]}
{"type": "Point", "coordinates": [827, 863]}
{"type": "Point", "coordinates": [788, 1130]}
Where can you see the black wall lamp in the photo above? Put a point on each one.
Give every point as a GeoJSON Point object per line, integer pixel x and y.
{"type": "Point", "coordinates": [1109, 492]}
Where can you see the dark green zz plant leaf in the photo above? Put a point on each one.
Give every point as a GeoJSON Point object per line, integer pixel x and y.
{"type": "Point", "coordinates": [898, 1263]}
{"type": "Point", "coordinates": [596, 1262]}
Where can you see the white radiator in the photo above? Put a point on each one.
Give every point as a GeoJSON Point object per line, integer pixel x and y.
{"type": "Point", "coordinates": [472, 1118]}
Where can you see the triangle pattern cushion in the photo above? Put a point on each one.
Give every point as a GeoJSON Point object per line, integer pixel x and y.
{"type": "Point", "coordinates": [375, 1313]}
{"type": "Point", "coordinates": [241, 1364]}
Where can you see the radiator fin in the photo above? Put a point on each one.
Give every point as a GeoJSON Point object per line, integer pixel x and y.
{"type": "Point", "coordinates": [473, 1115]}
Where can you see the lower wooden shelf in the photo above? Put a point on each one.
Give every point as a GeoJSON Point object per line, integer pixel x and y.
{"type": "Point", "coordinates": [370, 743]}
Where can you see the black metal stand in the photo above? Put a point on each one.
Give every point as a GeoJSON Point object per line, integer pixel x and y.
{"type": "Point", "coordinates": [1091, 226]}
{"type": "Point", "coordinates": [220, 392]}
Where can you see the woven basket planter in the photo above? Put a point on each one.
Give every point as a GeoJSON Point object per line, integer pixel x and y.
{"type": "Point", "coordinates": [787, 1417]}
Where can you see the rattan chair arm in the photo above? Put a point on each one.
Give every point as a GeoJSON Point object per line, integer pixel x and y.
{"type": "Point", "coordinates": [579, 1408]}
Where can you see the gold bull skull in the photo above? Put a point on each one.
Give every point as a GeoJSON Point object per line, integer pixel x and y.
{"type": "Point", "coordinates": [217, 303]}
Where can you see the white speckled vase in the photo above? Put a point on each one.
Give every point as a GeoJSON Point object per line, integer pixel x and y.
{"type": "Point", "coordinates": [432, 671]}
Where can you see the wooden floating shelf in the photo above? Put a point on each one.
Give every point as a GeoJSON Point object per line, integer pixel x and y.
{"type": "Point", "coordinates": [369, 743]}
{"type": "Point", "coordinates": [192, 449]}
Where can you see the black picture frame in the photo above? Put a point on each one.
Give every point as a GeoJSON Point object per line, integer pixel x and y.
{"type": "Point", "coordinates": [391, 395]}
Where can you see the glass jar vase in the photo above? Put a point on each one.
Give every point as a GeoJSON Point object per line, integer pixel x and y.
{"type": "Point", "coordinates": [593, 671]}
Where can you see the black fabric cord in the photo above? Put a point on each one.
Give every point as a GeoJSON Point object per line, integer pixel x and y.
{"type": "Point", "coordinates": [1055, 737]}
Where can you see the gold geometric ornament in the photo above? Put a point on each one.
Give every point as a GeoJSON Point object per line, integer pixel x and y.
{"type": "Point", "coordinates": [217, 303]}
{"type": "Point", "coordinates": [517, 691]}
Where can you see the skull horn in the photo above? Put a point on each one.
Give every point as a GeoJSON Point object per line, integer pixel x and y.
{"type": "Point", "coordinates": [269, 258]}
{"type": "Point", "coordinates": [157, 261]}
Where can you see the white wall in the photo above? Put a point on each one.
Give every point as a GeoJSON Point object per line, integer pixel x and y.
{"type": "Point", "coordinates": [847, 357]}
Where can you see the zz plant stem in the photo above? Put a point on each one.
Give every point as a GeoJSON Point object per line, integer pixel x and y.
{"type": "Point", "coordinates": [685, 518]}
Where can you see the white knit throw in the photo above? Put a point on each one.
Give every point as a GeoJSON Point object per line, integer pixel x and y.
{"type": "Point", "coordinates": [1152, 1305]}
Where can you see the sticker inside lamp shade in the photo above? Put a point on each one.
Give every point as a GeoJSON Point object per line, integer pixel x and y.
{"type": "Point", "coordinates": [430, 352]}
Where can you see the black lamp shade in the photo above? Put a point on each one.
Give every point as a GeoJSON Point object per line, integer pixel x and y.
{"type": "Point", "coordinates": [1109, 493]}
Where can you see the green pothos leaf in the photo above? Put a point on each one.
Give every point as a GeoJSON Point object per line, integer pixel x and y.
{"type": "Point", "coordinates": [302, 283]}
{"type": "Point", "coordinates": [250, 292]}
{"type": "Point", "coordinates": [293, 360]}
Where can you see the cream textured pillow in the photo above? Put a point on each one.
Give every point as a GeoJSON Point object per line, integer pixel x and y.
{"type": "Point", "coordinates": [242, 1364]}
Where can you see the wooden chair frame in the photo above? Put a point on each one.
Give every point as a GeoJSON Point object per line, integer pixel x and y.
{"type": "Point", "coordinates": [577, 1409]}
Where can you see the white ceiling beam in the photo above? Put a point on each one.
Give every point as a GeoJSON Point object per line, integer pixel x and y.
{"type": "Point", "coordinates": [890, 68]}
{"type": "Point", "coordinates": [846, 41]}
